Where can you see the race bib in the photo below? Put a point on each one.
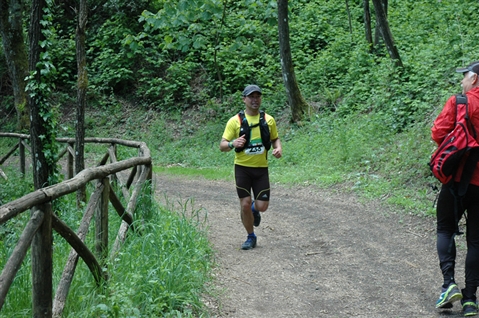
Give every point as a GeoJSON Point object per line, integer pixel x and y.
{"type": "Point", "coordinates": [254, 149]}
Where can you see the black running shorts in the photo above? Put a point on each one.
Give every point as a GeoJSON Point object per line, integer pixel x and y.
{"type": "Point", "coordinates": [256, 179]}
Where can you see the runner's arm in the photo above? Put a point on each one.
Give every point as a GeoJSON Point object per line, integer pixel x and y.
{"type": "Point", "coordinates": [225, 145]}
{"type": "Point", "coordinates": [277, 149]}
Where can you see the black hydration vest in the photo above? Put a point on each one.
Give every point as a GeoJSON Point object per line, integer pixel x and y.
{"type": "Point", "coordinates": [246, 130]}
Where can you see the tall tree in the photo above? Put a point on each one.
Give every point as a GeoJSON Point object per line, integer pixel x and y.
{"type": "Point", "coordinates": [377, 30]}
{"type": "Point", "coordinates": [81, 94]}
{"type": "Point", "coordinates": [298, 105]}
{"type": "Point", "coordinates": [349, 17]}
{"type": "Point", "coordinates": [367, 25]}
{"type": "Point", "coordinates": [386, 32]}
{"type": "Point", "coordinates": [11, 31]}
{"type": "Point", "coordinates": [42, 250]}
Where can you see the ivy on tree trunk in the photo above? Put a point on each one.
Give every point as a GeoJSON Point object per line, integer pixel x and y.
{"type": "Point", "coordinates": [42, 251]}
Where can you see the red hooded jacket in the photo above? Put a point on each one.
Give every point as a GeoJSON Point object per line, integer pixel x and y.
{"type": "Point", "coordinates": [444, 124]}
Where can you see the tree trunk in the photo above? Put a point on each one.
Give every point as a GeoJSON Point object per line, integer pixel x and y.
{"type": "Point", "coordinates": [386, 32]}
{"type": "Point", "coordinates": [367, 25]}
{"type": "Point", "coordinates": [349, 18]}
{"type": "Point", "coordinates": [11, 31]}
{"type": "Point", "coordinates": [81, 95]}
{"type": "Point", "coordinates": [377, 31]}
{"type": "Point", "coordinates": [42, 265]}
{"type": "Point", "coordinates": [42, 250]}
{"type": "Point", "coordinates": [298, 105]}
{"type": "Point", "coordinates": [218, 37]}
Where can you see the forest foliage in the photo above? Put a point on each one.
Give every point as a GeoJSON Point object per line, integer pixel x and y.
{"type": "Point", "coordinates": [175, 55]}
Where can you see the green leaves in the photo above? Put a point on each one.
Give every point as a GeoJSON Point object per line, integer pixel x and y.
{"type": "Point", "coordinates": [184, 53]}
{"type": "Point", "coordinates": [183, 22]}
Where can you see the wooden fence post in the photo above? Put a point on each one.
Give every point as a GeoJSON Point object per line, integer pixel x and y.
{"type": "Point", "coordinates": [70, 162]}
{"type": "Point", "coordinates": [22, 156]}
{"type": "Point", "coordinates": [149, 182]}
{"type": "Point", "coordinates": [101, 223]}
{"type": "Point", "coordinates": [42, 265]}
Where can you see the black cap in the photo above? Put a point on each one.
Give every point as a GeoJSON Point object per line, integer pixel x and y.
{"type": "Point", "coordinates": [473, 67]}
{"type": "Point", "coordinates": [251, 89]}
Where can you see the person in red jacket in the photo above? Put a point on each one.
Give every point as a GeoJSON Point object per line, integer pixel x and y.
{"type": "Point", "coordinates": [446, 218]}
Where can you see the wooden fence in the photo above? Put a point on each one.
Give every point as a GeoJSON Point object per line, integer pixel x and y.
{"type": "Point", "coordinates": [140, 172]}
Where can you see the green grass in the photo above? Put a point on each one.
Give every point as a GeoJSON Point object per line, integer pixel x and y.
{"type": "Point", "coordinates": [358, 154]}
{"type": "Point", "coordinates": [162, 272]}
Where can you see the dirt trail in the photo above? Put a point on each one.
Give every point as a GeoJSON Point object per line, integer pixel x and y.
{"type": "Point", "coordinates": [320, 253]}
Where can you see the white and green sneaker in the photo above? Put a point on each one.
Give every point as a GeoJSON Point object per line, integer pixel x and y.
{"type": "Point", "coordinates": [448, 296]}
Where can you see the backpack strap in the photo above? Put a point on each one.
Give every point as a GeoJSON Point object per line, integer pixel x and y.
{"type": "Point", "coordinates": [264, 128]}
{"type": "Point", "coordinates": [241, 116]}
{"type": "Point", "coordinates": [244, 129]}
{"type": "Point", "coordinates": [461, 99]}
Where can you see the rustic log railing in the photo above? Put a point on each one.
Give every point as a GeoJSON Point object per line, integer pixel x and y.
{"type": "Point", "coordinates": [141, 173]}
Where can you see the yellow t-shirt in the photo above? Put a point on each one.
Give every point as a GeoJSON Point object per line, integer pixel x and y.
{"type": "Point", "coordinates": [255, 155]}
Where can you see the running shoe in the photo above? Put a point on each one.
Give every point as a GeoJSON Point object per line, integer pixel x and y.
{"type": "Point", "coordinates": [448, 296]}
{"type": "Point", "coordinates": [469, 308]}
{"type": "Point", "coordinates": [249, 244]}
{"type": "Point", "coordinates": [257, 218]}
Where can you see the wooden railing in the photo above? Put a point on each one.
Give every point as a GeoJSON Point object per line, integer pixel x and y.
{"type": "Point", "coordinates": [140, 172]}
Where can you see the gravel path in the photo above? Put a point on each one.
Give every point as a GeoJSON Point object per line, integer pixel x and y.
{"type": "Point", "coordinates": [320, 253]}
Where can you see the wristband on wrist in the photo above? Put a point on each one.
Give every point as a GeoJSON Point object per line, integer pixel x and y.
{"type": "Point", "coordinates": [230, 144]}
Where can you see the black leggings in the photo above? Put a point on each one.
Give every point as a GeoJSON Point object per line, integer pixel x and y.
{"type": "Point", "coordinates": [446, 227]}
